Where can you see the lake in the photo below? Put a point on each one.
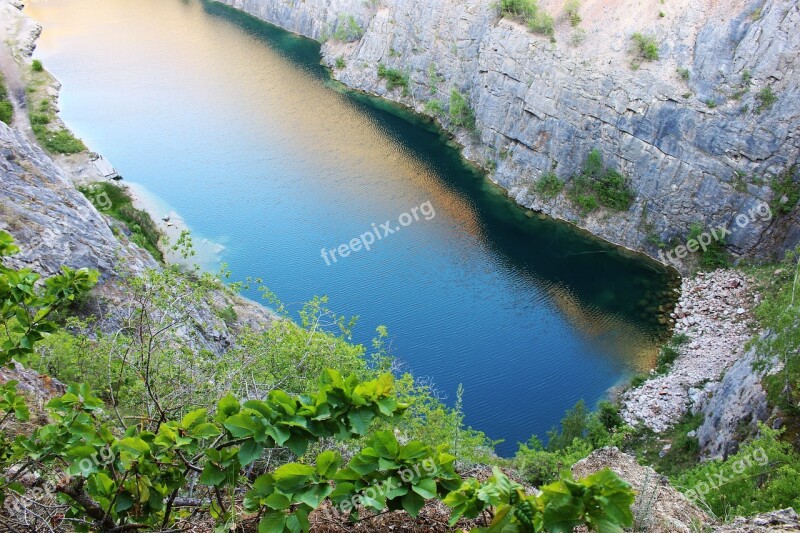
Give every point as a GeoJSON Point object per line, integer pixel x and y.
{"type": "Point", "coordinates": [235, 125]}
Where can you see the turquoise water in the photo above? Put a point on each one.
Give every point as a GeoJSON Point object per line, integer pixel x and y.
{"type": "Point", "coordinates": [235, 125]}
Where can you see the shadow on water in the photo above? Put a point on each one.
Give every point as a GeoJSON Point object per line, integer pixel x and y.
{"type": "Point", "coordinates": [597, 274]}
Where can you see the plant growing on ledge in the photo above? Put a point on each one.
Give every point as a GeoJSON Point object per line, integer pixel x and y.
{"type": "Point", "coordinates": [348, 30]}
{"type": "Point", "coordinates": [549, 186]}
{"type": "Point", "coordinates": [600, 186]}
{"type": "Point", "coordinates": [461, 113]}
{"type": "Point", "coordinates": [394, 78]}
{"type": "Point", "coordinates": [646, 46]}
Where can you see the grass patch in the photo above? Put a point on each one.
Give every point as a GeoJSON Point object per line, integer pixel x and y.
{"type": "Point", "coordinates": [37, 66]}
{"type": "Point", "coordinates": [340, 63]}
{"type": "Point", "coordinates": [59, 141]}
{"type": "Point", "coordinates": [117, 203]}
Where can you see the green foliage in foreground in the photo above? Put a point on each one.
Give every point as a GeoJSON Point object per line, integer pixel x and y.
{"type": "Point", "coordinates": [27, 302]}
{"type": "Point", "coordinates": [138, 475]}
{"type": "Point", "coordinates": [116, 202]}
{"type": "Point", "coordinates": [600, 186]}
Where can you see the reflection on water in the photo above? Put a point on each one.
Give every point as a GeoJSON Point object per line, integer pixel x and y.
{"type": "Point", "coordinates": [235, 125]}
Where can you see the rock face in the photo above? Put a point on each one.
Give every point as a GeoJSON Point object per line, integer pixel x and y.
{"type": "Point", "coordinates": [54, 224]}
{"type": "Point", "coordinates": [696, 149]}
{"type": "Point", "coordinates": [736, 403]}
{"type": "Point", "coordinates": [51, 220]}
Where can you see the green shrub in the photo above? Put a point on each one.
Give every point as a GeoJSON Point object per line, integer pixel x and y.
{"type": "Point", "coordinates": [785, 186]}
{"type": "Point", "coordinates": [541, 23]}
{"type": "Point", "coordinates": [40, 118]}
{"type": "Point", "coordinates": [394, 78]}
{"type": "Point", "coordinates": [572, 9]}
{"type": "Point", "coordinates": [684, 73]}
{"type": "Point", "coordinates": [36, 65]}
{"type": "Point", "coordinates": [597, 186]}
{"type": "Point", "coordinates": [434, 107]}
{"type": "Point", "coordinates": [520, 9]}
{"type": "Point", "coordinates": [549, 185]}
{"type": "Point", "coordinates": [715, 255]}
{"type": "Point", "coordinates": [6, 112]}
{"type": "Point", "coordinates": [340, 63]}
{"type": "Point", "coordinates": [646, 46]}
{"type": "Point", "coordinates": [766, 99]}
{"type": "Point", "coordinates": [461, 113]}
{"type": "Point", "coordinates": [117, 203]}
{"type": "Point", "coordinates": [613, 191]}
{"type": "Point", "coordinates": [348, 29]}
{"type": "Point", "coordinates": [6, 108]}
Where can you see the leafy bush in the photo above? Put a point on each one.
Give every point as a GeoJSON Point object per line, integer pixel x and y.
{"type": "Point", "coordinates": [715, 255]}
{"type": "Point", "coordinates": [598, 185]}
{"type": "Point", "coordinates": [528, 12]}
{"type": "Point", "coordinates": [766, 99]}
{"type": "Point", "coordinates": [116, 202]}
{"type": "Point", "coordinates": [340, 63]}
{"type": "Point", "coordinates": [36, 66]}
{"type": "Point", "coordinates": [549, 185]}
{"type": "Point", "coordinates": [541, 23]}
{"type": "Point", "coordinates": [434, 107]}
{"type": "Point", "coordinates": [461, 113]}
{"type": "Point", "coordinates": [785, 187]}
{"type": "Point", "coordinates": [394, 78]}
{"type": "Point", "coordinates": [6, 108]}
{"type": "Point", "coordinates": [520, 9]}
{"type": "Point", "coordinates": [6, 112]}
{"type": "Point", "coordinates": [348, 29]}
{"type": "Point", "coordinates": [646, 46]}
{"type": "Point", "coordinates": [572, 9]}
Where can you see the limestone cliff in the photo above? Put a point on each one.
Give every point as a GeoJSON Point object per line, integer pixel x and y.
{"type": "Point", "coordinates": [696, 149]}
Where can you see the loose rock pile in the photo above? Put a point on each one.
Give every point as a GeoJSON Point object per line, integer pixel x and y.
{"type": "Point", "coordinates": [714, 311]}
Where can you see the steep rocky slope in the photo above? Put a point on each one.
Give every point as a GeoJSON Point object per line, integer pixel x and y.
{"type": "Point", "coordinates": [54, 224]}
{"type": "Point", "coordinates": [542, 106]}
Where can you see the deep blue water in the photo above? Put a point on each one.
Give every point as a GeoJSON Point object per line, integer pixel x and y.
{"type": "Point", "coordinates": [234, 124]}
